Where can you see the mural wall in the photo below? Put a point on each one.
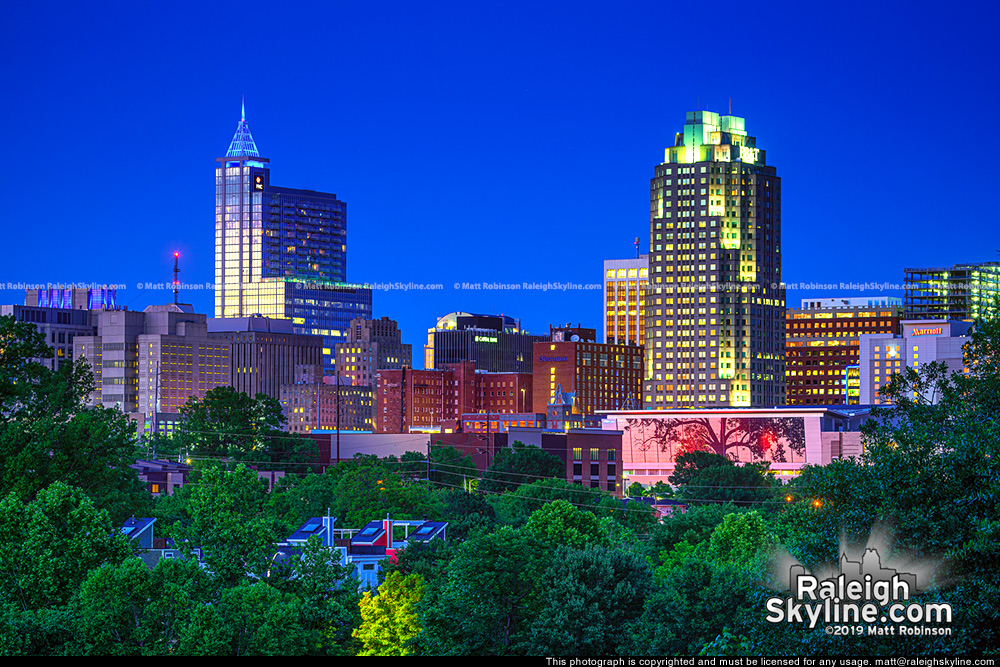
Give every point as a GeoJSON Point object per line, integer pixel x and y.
{"type": "Point", "coordinates": [741, 439]}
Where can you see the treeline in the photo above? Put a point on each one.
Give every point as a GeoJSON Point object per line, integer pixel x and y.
{"type": "Point", "coordinates": [533, 565]}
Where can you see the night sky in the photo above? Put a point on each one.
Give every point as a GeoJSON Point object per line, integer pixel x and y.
{"type": "Point", "coordinates": [506, 143]}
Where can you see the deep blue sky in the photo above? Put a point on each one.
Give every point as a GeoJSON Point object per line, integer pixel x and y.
{"type": "Point", "coordinates": [510, 143]}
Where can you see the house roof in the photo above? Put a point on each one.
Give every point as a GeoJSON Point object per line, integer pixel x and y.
{"type": "Point", "coordinates": [133, 527]}
{"type": "Point", "coordinates": [315, 526]}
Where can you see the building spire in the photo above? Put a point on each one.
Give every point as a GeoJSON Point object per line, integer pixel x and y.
{"type": "Point", "coordinates": [243, 109]}
{"type": "Point", "coordinates": [242, 144]}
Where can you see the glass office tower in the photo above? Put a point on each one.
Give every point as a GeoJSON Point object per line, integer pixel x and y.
{"type": "Point", "coordinates": [281, 252]}
{"type": "Point", "coordinates": [715, 311]}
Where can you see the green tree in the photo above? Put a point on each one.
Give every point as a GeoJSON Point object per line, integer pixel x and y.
{"type": "Point", "coordinates": [127, 609]}
{"type": "Point", "coordinates": [691, 608]}
{"type": "Point", "coordinates": [742, 539]}
{"type": "Point", "coordinates": [559, 523]}
{"type": "Point", "coordinates": [692, 527]}
{"type": "Point", "coordinates": [372, 490]}
{"type": "Point", "coordinates": [229, 424]}
{"type": "Point", "coordinates": [389, 618]}
{"type": "Point", "coordinates": [230, 521]}
{"type": "Point", "coordinates": [296, 499]}
{"type": "Point", "coordinates": [48, 435]}
{"type": "Point", "coordinates": [690, 464]}
{"type": "Point", "coordinates": [661, 490]}
{"type": "Point", "coordinates": [725, 482]}
{"type": "Point", "coordinates": [515, 508]}
{"type": "Point", "coordinates": [521, 464]}
{"type": "Point", "coordinates": [48, 546]}
{"type": "Point", "coordinates": [328, 592]}
{"type": "Point", "coordinates": [490, 597]}
{"type": "Point", "coordinates": [590, 595]}
{"type": "Point", "coordinates": [452, 468]}
{"type": "Point", "coordinates": [252, 619]}
{"type": "Point", "coordinates": [465, 512]}
{"type": "Point", "coordinates": [23, 379]}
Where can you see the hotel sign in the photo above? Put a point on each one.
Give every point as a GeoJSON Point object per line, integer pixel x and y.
{"type": "Point", "coordinates": [926, 332]}
{"type": "Point", "coordinates": [553, 358]}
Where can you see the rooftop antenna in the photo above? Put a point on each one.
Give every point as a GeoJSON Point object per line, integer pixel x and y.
{"type": "Point", "coordinates": [730, 106]}
{"type": "Point", "coordinates": [637, 247]}
{"type": "Point", "coordinates": [176, 272]}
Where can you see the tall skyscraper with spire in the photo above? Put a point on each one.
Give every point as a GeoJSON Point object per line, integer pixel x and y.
{"type": "Point", "coordinates": [281, 252]}
{"type": "Point", "coordinates": [715, 306]}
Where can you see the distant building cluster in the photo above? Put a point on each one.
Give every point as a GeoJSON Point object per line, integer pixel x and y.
{"type": "Point", "coordinates": [696, 334]}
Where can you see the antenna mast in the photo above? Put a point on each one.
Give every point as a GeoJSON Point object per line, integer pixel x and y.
{"type": "Point", "coordinates": [176, 272]}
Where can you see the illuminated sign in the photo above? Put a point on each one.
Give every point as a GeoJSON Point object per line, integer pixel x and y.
{"type": "Point", "coordinates": [486, 339]}
{"type": "Point", "coordinates": [553, 358]}
{"type": "Point", "coordinates": [926, 332]}
{"type": "Point", "coordinates": [258, 181]}
{"type": "Point", "coordinates": [748, 154]}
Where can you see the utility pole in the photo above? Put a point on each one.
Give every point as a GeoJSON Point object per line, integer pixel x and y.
{"type": "Point", "coordinates": [336, 370]}
{"type": "Point", "coordinates": [156, 404]}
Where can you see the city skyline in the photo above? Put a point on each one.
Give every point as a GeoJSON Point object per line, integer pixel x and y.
{"type": "Point", "coordinates": [561, 127]}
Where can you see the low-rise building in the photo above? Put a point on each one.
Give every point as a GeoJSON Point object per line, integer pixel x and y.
{"type": "Point", "coordinates": [372, 346]}
{"type": "Point", "coordinates": [600, 376]}
{"type": "Point", "coordinates": [315, 402]}
{"type": "Point", "coordinates": [363, 548]}
{"type": "Point", "coordinates": [921, 342]}
{"type": "Point", "coordinates": [823, 338]}
{"type": "Point", "coordinates": [785, 438]}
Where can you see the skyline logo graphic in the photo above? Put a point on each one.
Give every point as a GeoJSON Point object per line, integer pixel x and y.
{"type": "Point", "coordinates": [862, 598]}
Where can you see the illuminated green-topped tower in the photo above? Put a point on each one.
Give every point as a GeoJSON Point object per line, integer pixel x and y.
{"type": "Point", "coordinates": [715, 309]}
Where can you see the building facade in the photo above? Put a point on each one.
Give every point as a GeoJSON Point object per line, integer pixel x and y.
{"type": "Point", "coordinates": [264, 352]}
{"type": "Point", "coordinates": [850, 302]}
{"type": "Point", "coordinates": [600, 376]}
{"type": "Point", "coordinates": [715, 308]}
{"type": "Point", "coordinates": [625, 282]}
{"type": "Point", "coordinates": [317, 403]}
{"type": "Point", "coordinates": [822, 341]}
{"type": "Point", "coordinates": [495, 343]}
{"type": "Point", "coordinates": [784, 438]}
{"type": "Point", "coordinates": [281, 252]}
{"type": "Point", "coordinates": [960, 292]}
{"type": "Point", "coordinates": [72, 297]}
{"type": "Point", "coordinates": [372, 345]}
{"type": "Point", "coordinates": [151, 362]}
{"type": "Point", "coordinates": [59, 326]}
{"type": "Point", "coordinates": [408, 399]}
{"type": "Point", "coordinates": [921, 342]}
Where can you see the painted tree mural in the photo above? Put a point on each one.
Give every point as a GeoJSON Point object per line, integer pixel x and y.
{"type": "Point", "coordinates": [739, 438]}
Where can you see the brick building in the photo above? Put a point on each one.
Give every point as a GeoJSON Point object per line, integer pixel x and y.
{"type": "Point", "coordinates": [424, 399]}
{"type": "Point", "coordinates": [600, 376]}
{"type": "Point", "coordinates": [823, 340]}
{"type": "Point", "coordinates": [314, 402]}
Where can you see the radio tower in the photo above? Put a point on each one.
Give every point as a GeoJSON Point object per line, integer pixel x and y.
{"type": "Point", "coordinates": [176, 272]}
